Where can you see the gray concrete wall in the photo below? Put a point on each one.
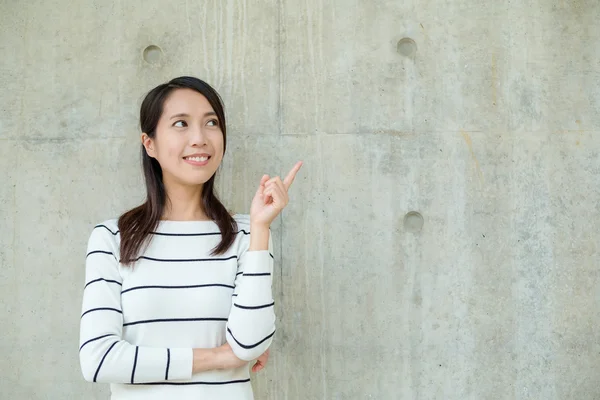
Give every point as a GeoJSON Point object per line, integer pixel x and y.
{"type": "Point", "coordinates": [490, 130]}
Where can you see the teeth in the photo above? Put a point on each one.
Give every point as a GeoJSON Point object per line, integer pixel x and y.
{"type": "Point", "coordinates": [197, 159]}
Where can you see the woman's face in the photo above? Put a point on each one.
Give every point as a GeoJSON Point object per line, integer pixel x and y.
{"type": "Point", "coordinates": [188, 143]}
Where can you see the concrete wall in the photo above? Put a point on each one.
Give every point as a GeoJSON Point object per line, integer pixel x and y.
{"type": "Point", "coordinates": [488, 126]}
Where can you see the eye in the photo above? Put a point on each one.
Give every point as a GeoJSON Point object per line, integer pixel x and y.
{"type": "Point", "coordinates": [180, 124]}
{"type": "Point", "coordinates": [213, 122]}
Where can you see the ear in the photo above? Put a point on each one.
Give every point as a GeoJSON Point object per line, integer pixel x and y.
{"type": "Point", "coordinates": [148, 144]}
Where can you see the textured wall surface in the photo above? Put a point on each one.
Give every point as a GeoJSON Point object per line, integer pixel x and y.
{"type": "Point", "coordinates": [487, 123]}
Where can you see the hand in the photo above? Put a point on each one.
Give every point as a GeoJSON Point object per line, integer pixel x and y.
{"type": "Point", "coordinates": [261, 362]}
{"type": "Point", "coordinates": [271, 197]}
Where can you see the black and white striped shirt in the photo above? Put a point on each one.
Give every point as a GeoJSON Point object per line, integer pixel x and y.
{"type": "Point", "coordinates": [140, 323]}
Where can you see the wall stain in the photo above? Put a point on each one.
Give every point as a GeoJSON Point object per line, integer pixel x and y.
{"type": "Point", "coordinates": [494, 79]}
{"type": "Point", "coordinates": [469, 143]}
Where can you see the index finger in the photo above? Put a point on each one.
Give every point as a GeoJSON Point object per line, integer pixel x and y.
{"type": "Point", "coordinates": [287, 182]}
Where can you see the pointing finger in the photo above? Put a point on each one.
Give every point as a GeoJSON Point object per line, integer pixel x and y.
{"type": "Point", "coordinates": [287, 182]}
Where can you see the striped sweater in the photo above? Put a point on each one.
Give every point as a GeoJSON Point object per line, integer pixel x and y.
{"type": "Point", "coordinates": [140, 323]}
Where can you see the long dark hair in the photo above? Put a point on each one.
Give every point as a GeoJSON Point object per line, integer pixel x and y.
{"type": "Point", "coordinates": [137, 224]}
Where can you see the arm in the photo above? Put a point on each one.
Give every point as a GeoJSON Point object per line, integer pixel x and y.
{"type": "Point", "coordinates": [104, 356]}
{"type": "Point", "coordinates": [251, 323]}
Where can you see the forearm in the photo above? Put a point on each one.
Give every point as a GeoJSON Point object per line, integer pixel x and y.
{"type": "Point", "coordinates": [207, 360]}
{"type": "Point", "coordinates": [251, 322]}
{"type": "Point", "coordinates": [204, 360]}
{"type": "Point", "coordinates": [221, 357]}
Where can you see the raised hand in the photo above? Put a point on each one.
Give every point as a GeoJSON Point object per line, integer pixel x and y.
{"type": "Point", "coordinates": [271, 197]}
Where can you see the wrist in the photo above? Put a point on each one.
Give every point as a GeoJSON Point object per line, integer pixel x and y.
{"type": "Point", "coordinates": [259, 237]}
{"type": "Point", "coordinates": [259, 226]}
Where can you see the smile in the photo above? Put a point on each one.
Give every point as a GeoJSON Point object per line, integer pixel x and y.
{"type": "Point", "coordinates": [197, 159]}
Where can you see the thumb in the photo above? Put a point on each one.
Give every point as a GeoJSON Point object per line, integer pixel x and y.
{"type": "Point", "coordinates": [257, 367]}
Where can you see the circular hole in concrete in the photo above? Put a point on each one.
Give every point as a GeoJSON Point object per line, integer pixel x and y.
{"type": "Point", "coordinates": [407, 47]}
{"type": "Point", "coordinates": [413, 221]}
{"type": "Point", "coordinates": [152, 54]}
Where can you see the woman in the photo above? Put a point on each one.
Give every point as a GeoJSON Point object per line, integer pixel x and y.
{"type": "Point", "coordinates": [178, 295]}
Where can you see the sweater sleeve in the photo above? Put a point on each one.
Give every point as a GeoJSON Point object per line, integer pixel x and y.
{"type": "Point", "coordinates": [103, 354]}
{"type": "Point", "coordinates": [251, 323]}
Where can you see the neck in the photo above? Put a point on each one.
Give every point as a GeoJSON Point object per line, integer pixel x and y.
{"type": "Point", "coordinates": [184, 203]}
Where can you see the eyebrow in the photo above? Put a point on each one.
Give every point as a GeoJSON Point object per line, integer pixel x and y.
{"type": "Point", "coordinates": [187, 115]}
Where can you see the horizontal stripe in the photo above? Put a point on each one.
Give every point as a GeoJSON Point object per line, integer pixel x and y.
{"type": "Point", "coordinates": [261, 274]}
{"type": "Point", "coordinates": [150, 321]}
{"type": "Point", "coordinates": [102, 279]}
{"type": "Point", "coordinates": [100, 252]}
{"type": "Point", "coordinates": [102, 361]}
{"type": "Point", "coordinates": [249, 346]}
{"type": "Point", "coordinates": [186, 234]}
{"type": "Point", "coordinates": [102, 309]}
{"type": "Point", "coordinates": [158, 259]}
{"type": "Point", "coordinates": [185, 259]}
{"type": "Point", "coordinates": [254, 307]}
{"type": "Point", "coordinates": [96, 338]}
{"type": "Point", "coordinates": [178, 287]}
{"type": "Point", "coordinates": [195, 383]}
{"type": "Point", "coordinates": [173, 234]}
{"type": "Point", "coordinates": [235, 294]}
{"type": "Point", "coordinates": [196, 234]}
{"type": "Point", "coordinates": [166, 259]}
{"type": "Point", "coordinates": [239, 273]}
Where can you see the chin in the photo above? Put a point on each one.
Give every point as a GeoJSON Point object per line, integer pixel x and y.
{"type": "Point", "coordinates": [195, 181]}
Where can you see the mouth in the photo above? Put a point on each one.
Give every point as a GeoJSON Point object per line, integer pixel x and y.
{"type": "Point", "coordinates": [197, 159]}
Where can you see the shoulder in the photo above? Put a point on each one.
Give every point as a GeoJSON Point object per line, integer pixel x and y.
{"type": "Point", "coordinates": [110, 226]}
{"type": "Point", "coordinates": [106, 232]}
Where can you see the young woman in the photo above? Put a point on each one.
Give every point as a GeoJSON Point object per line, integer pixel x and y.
{"type": "Point", "coordinates": [177, 298]}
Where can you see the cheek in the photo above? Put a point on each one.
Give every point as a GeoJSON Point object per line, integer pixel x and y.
{"type": "Point", "coordinates": [217, 143]}
{"type": "Point", "coordinates": [170, 150]}
{"type": "Point", "coordinates": [173, 153]}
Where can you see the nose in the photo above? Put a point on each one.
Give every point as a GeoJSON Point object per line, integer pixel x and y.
{"type": "Point", "coordinates": [197, 136]}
